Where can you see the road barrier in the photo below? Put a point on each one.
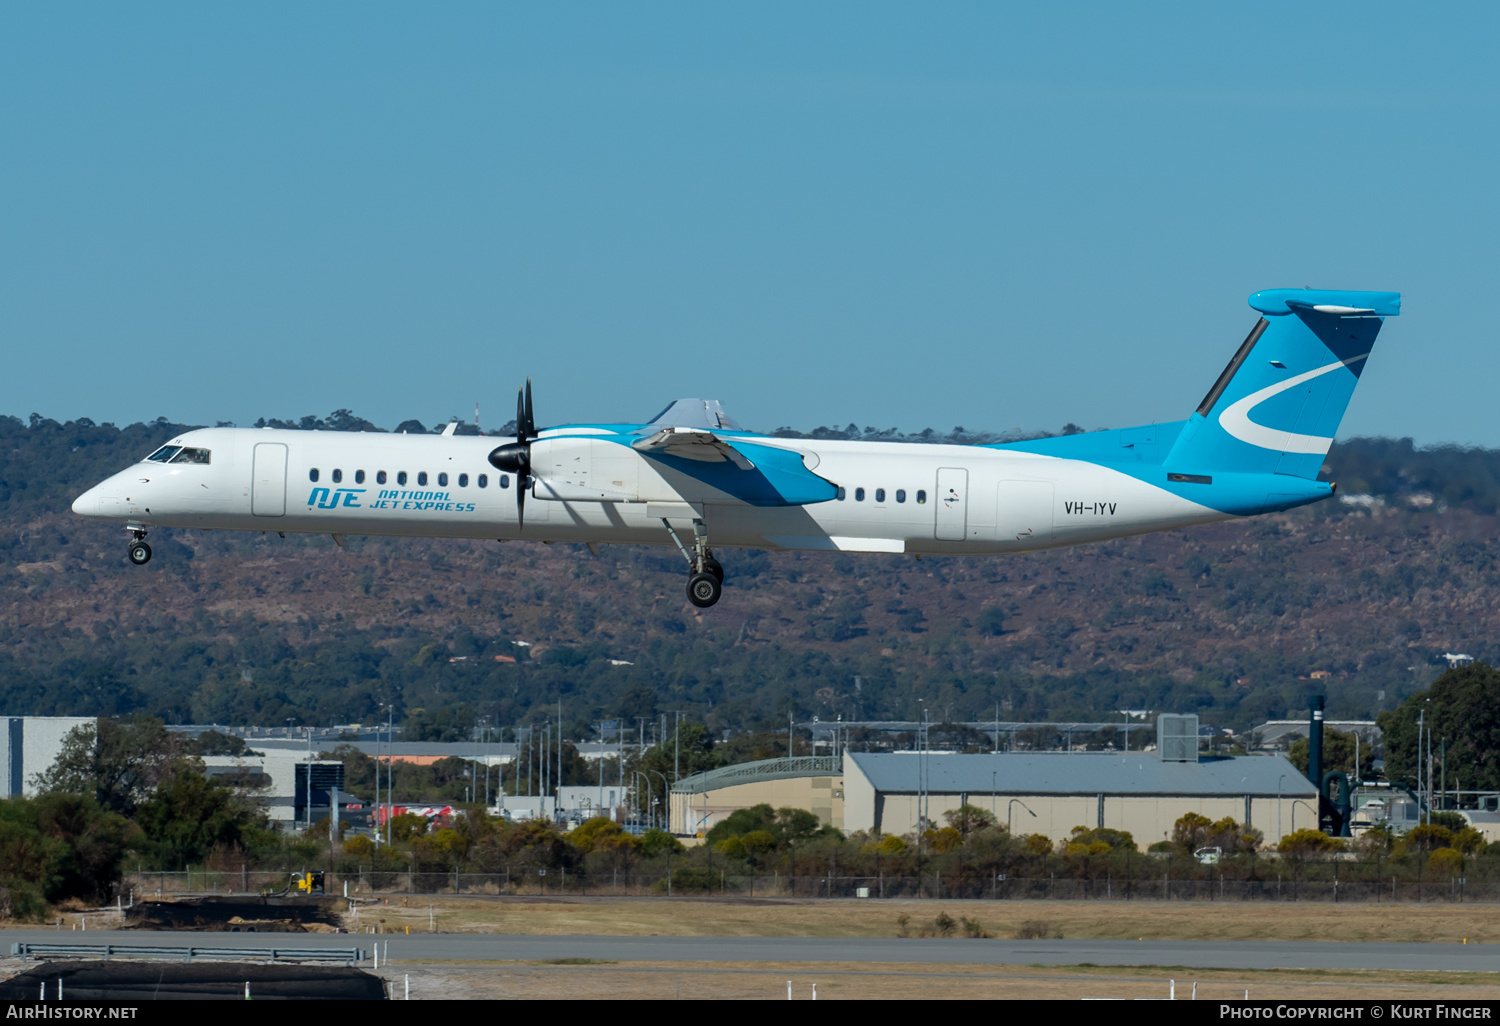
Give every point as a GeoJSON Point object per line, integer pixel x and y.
{"type": "Point", "coordinates": [186, 954]}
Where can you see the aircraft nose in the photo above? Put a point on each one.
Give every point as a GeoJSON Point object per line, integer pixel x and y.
{"type": "Point", "coordinates": [87, 504]}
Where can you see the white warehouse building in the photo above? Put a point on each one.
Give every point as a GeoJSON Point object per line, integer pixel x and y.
{"type": "Point", "coordinates": [29, 745]}
{"type": "Point", "coordinates": [1050, 793]}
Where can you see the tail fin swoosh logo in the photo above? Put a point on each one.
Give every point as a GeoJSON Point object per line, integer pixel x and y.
{"type": "Point", "coordinates": [1236, 419]}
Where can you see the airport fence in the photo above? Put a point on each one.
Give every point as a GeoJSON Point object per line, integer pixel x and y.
{"type": "Point", "coordinates": [696, 880]}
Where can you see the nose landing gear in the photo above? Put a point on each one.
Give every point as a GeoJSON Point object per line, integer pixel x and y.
{"type": "Point", "coordinates": [139, 551]}
{"type": "Point", "coordinates": [706, 575]}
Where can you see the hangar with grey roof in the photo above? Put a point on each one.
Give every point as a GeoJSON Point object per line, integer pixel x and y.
{"type": "Point", "coordinates": [1052, 792]}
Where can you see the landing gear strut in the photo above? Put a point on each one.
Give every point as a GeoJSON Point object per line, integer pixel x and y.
{"type": "Point", "coordinates": [705, 573]}
{"type": "Point", "coordinates": [139, 551]}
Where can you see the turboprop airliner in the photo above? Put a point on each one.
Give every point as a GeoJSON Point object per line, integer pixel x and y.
{"type": "Point", "coordinates": [694, 479]}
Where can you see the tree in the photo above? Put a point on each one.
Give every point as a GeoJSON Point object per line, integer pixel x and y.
{"type": "Point", "coordinates": [1463, 708]}
{"type": "Point", "coordinates": [407, 825]}
{"type": "Point", "coordinates": [117, 764]}
{"type": "Point", "coordinates": [1445, 862]}
{"type": "Point", "coordinates": [59, 846]}
{"type": "Point", "coordinates": [1338, 754]}
{"type": "Point", "coordinates": [602, 833]}
{"type": "Point", "coordinates": [691, 750]}
{"type": "Point", "coordinates": [968, 818]}
{"type": "Point", "coordinates": [1427, 837]}
{"type": "Point", "coordinates": [1191, 832]}
{"type": "Point", "coordinates": [943, 840]}
{"type": "Point", "coordinates": [1115, 840]}
{"type": "Point", "coordinates": [1305, 842]}
{"type": "Point", "coordinates": [190, 815]}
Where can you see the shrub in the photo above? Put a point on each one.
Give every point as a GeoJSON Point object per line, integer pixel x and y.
{"type": "Point", "coordinates": [944, 925]}
{"type": "Point", "coordinates": [1037, 929]}
{"type": "Point", "coordinates": [1445, 862]}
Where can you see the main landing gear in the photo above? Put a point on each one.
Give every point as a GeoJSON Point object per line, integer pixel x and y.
{"type": "Point", "coordinates": [139, 551]}
{"type": "Point", "coordinates": [705, 573]}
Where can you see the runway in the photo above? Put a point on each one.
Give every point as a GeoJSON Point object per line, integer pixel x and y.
{"type": "Point", "coordinates": [458, 948]}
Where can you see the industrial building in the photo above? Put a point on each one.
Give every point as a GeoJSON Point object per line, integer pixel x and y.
{"type": "Point", "coordinates": [1046, 793]}
{"type": "Point", "coordinates": [1050, 793]}
{"type": "Point", "coordinates": [29, 745]}
{"type": "Point", "coordinates": [294, 791]}
{"type": "Point", "coordinates": [811, 782]}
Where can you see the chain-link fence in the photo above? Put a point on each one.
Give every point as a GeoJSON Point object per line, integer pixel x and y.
{"type": "Point", "coordinates": [697, 880]}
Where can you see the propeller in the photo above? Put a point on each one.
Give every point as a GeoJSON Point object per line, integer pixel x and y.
{"type": "Point", "coordinates": [515, 457]}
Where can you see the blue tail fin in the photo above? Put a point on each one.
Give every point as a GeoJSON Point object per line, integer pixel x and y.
{"type": "Point", "coordinates": [1277, 405]}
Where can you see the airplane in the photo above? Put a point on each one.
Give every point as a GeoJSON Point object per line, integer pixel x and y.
{"type": "Point", "coordinates": [692, 478]}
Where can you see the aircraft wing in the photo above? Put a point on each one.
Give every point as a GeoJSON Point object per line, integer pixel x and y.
{"type": "Point", "coordinates": [691, 444]}
{"type": "Point", "coordinates": [702, 464]}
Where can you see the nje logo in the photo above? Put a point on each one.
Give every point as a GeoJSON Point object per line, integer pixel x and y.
{"type": "Point", "coordinates": [326, 499]}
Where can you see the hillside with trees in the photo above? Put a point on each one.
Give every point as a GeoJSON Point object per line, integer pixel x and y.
{"type": "Point", "coordinates": [1239, 622]}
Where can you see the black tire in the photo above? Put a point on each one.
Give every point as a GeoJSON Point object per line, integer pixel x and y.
{"type": "Point", "coordinates": [140, 553]}
{"type": "Point", "coordinates": [703, 590]}
{"type": "Point", "coordinates": [712, 566]}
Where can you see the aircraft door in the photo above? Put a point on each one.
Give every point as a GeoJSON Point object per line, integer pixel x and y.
{"type": "Point", "coordinates": [952, 503]}
{"type": "Point", "coordinates": [268, 481]}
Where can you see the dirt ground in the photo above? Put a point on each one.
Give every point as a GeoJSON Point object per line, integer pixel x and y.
{"type": "Point", "coordinates": [846, 981]}
{"type": "Point", "coordinates": [1082, 920]}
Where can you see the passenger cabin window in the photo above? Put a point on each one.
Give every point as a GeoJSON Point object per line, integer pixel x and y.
{"type": "Point", "coordinates": [443, 480]}
{"type": "Point", "coordinates": [312, 475]}
{"type": "Point", "coordinates": [859, 495]}
{"type": "Point", "coordinates": [191, 456]}
{"type": "Point", "coordinates": [841, 495]}
{"type": "Point", "coordinates": [359, 477]}
{"type": "Point", "coordinates": [484, 480]}
{"type": "Point", "coordinates": [380, 477]}
{"type": "Point", "coordinates": [164, 454]}
{"type": "Point", "coordinates": [401, 478]}
{"type": "Point", "coordinates": [338, 476]}
{"type": "Point", "coordinates": [504, 480]}
{"type": "Point", "coordinates": [880, 495]}
{"type": "Point", "coordinates": [900, 494]}
{"type": "Point", "coordinates": [421, 477]}
{"type": "Point", "coordinates": [463, 480]}
{"type": "Point", "coordinates": [921, 497]}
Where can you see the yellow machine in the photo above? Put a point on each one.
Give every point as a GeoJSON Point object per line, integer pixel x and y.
{"type": "Point", "coordinates": [308, 883]}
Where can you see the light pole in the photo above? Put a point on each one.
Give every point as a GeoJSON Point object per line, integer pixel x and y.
{"type": "Point", "coordinates": [1010, 814]}
{"type": "Point", "coordinates": [1309, 808]}
{"type": "Point", "coordinates": [665, 801]}
{"type": "Point", "coordinates": [1279, 834]}
{"type": "Point", "coordinates": [646, 807]}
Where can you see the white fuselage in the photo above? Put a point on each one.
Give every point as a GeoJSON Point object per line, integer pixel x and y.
{"type": "Point", "coordinates": [922, 499]}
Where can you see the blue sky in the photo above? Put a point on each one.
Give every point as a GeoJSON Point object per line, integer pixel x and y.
{"type": "Point", "coordinates": [905, 215]}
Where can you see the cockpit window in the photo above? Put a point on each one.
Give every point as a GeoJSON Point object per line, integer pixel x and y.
{"type": "Point", "coordinates": [191, 456]}
{"type": "Point", "coordinates": [164, 454]}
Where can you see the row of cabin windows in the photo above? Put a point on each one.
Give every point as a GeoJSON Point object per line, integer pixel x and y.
{"type": "Point", "coordinates": [859, 495]}
{"type": "Point", "coordinates": [483, 480]}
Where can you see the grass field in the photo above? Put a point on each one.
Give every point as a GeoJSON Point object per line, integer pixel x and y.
{"type": "Point", "coordinates": [835, 981]}
{"type": "Point", "coordinates": [1082, 920]}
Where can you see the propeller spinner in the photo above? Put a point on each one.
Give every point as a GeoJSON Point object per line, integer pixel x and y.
{"type": "Point", "coordinates": [515, 457]}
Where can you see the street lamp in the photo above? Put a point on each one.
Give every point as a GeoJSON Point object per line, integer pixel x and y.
{"type": "Point", "coordinates": [1294, 813]}
{"type": "Point", "coordinates": [667, 809]}
{"type": "Point", "coordinates": [645, 808]}
{"type": "Point", "coordinates": [1009, 811]}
